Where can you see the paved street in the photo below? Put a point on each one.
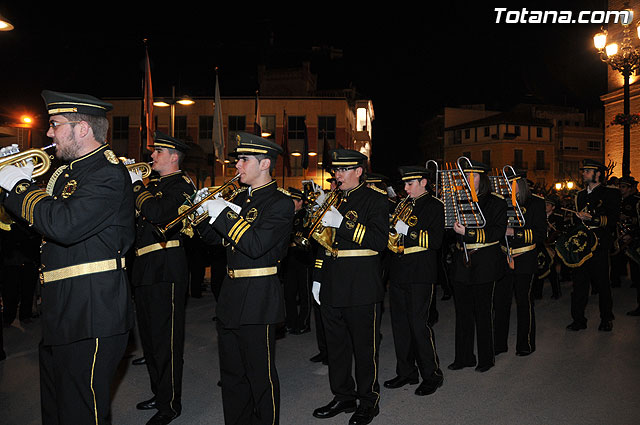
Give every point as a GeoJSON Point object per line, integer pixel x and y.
{"type": "Point", "coordinates": [586, 377]}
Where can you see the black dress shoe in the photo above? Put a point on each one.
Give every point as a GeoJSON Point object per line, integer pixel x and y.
{"type": "Point", "coordinates": [335, 407]}
{"type": "Point", "coordinates": [364, 415]}
{"type": "Point", "coordinates": [635, 312]}
{"type": "Point", "coordinates": [606, 326]}
{"type": "Point", "coordinates": [320, 357]}
{"type": "Point", "coordinates": [162, 418]}
{"type": "Point", "coordinates": [139, 361]}
{"type": "Point", "coordinates": [147, 404]}
{"type": "Point", "coordinates": [399, 381]}
{"type": "Point", "coordinates": [429, 386]}
{"type": "Point", "coordinates": [523, 353]}
{"type": "Point", "coordinates": [575, 326]}
{"type": "Point", "coordinates": [484, 368]}
{"type": "Point", "coordinates": [301, 331]}
{"type": "Point", "coordinates": [458, 366]}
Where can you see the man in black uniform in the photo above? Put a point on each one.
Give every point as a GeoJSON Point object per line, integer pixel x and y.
{"type": "Point", "coordinates": [628, 236]}
{"type": "Point", "coordinates": [255, 226]}
{"type": "Point", "coordinates": [599, 208]}
{"type": "Point", "coordinates": [347, 285]}
{"type": "Point", "coordinates": [521, 267]}
{"type": "Point", "coordinates": [413, 277]}
{"type": "Point", "coordinates": [297, 279]}
{"type": "Point", "coordinates": [548, 266]}
{"type": "Point", "coordinates": [474, 281]}
{"type": "Point", "coordinates": [160, 276]}
{"type": "Point", "coordinates": [86, 216]}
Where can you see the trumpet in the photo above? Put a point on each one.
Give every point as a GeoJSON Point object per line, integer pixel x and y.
{"type": "Point", "coordinates": [11, 155]}
{"type": "Point", "coordinates": [143, 168]}
{"type": "Point", "coordinates": [187, 213]}
{"type": "Point", "coordinates": [402, 212]}
{"type": "Point", "coordinates": [324, 235]}
{"type": "Point", "coordinates": [41, 161]}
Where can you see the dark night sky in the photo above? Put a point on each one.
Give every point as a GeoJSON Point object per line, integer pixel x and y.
{"type": "Point", "coordinates": [410, 62]}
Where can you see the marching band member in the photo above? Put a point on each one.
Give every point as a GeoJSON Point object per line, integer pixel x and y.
{"type": "Point", "coordinates": [599, 208]}
{"type": "Point", "coordinates": [86, 216]}
{"type": "Point", "coordinates": [347, 285]}
{"type": "Point", "coordinates": [255, 226]}
{"type": "Point", "coordinates": [160, 277]}
{"type": "Point", "coordinates": [413, 275]}
{"type": "Point", "coordinates": [520, 274]}
{"type": "Point", "coordinates": [474, 282]}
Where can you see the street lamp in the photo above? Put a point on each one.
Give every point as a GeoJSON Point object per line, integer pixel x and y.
{"type": "Point", "coordinates": [184, 100]}
{"type": "Point", "coordinates": [5, 25]}
{"type": "Point", "coordinates": [626, 59]}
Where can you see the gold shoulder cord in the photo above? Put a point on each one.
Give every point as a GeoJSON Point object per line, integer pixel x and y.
{"type": "Point", "coordinates": [54, 177]}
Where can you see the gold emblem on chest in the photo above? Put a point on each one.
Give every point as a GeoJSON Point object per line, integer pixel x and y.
{"type": "Point", "coordinates": [69, 188]}
{"type": "Point", "coordinates": [252, 214]}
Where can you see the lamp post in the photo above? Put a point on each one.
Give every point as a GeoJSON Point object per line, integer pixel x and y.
{"type": "Point", "coordinates": [625, 60]}
{"type": "Point", "coordinates": [184, 100]}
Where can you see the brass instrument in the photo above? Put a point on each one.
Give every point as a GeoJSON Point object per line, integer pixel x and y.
{"type": "Point", "coordinates": [11, 155]}
{"type": "Point", "coordinates": [324, 235]}
{"type": "Point", "coordinates": [453, 189]}
{"type": "Point", "coordinates": [188, 212]}
{"type": "Point", "coordinates": [143, 168]}
{"type": "Point", "coordinates": [402, 212]}
{"type": "Point", "coordinates": [41, 161]}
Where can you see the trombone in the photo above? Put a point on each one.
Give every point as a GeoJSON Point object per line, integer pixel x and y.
{"type": "Point", "coordinates": [187, 213]}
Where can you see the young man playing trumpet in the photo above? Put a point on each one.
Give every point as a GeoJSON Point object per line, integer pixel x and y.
{"type": "Point", "coordinates": [412, 279]}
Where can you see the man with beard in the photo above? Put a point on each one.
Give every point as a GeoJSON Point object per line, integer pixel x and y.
{"type": "Point", "coordinates": [86, 217]}
{"type": "Point", "coordinates": [599, 208]}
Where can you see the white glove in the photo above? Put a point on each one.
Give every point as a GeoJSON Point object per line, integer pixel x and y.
{"type": "Point", "coordinates": [315, 290]}
{"type": "Point", "coordinates": [402, 227]}
{"type": "Point", "coordinates": [214, 207]}
{"type": "Point", "coordinates": [332, 218]}
{"type": "Point", "coordinates": [390, 192]}
{"type": "Point", "coordinates": [10, 175]}
{"type": "Point", "coordinates": [135, 176]}
{"type": "Point", "coordinates": [199, 196]}
{"type": "Point", "coordinates": [320, 199]}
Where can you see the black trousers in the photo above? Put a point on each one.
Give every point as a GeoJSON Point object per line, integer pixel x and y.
{"type": "Point", "coordinates": [519, 284]}
{"type": "Point", "coordinates": [353, 333]}
{"type": "Point", "coordinates": [160, 310]}
{"type": "Point", "coordinates": [297, 293]}
{"type": "Point", "coordinates": [75, 380]}
{"type": "Point", "coordinates": [474, 312]}
{"type": "Point", "coordinates": [250, 384]}
{"type": "Point", "coordinates": [554, 280]}
{"type": "Point", "coordinates": [321, 338]}
{"type": "Point", "coordinates": [595, 271]}
{"type": "Point", "coordinates": [413, 338]}
{"type": "Point", "coordinates": [18, 287]}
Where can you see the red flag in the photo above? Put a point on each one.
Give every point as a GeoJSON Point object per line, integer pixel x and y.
{"type": "Point", "coordinates": [148, 101]}
{"type": "Point", "coordinates": [285, 147]}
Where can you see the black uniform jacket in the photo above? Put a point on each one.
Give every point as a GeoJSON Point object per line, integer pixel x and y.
{"type": "Point", "coordinates": [603, 203]}
{"type": "Point", "coordinates": [534, 232]}
{"type": "Point", "coordinates": [426, 230]}
{"type": "Point", "coordinates": [86, 215]}
{"type": "Point", "coordinates": [486, 264]}
{"type": "Point", "coordinates": [257, 237]}
{"type": "Point", "coordinates": [353, 281]}
{"type": "Point", "coordinates": [629, 211]}
{"type": "Point", "coordinates": [157, 205]}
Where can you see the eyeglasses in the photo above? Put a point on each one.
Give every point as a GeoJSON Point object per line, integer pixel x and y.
{"type": "Point", "coordinates": [343, 169]}
{"type": "Point", "coordinates": [56, 124]}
